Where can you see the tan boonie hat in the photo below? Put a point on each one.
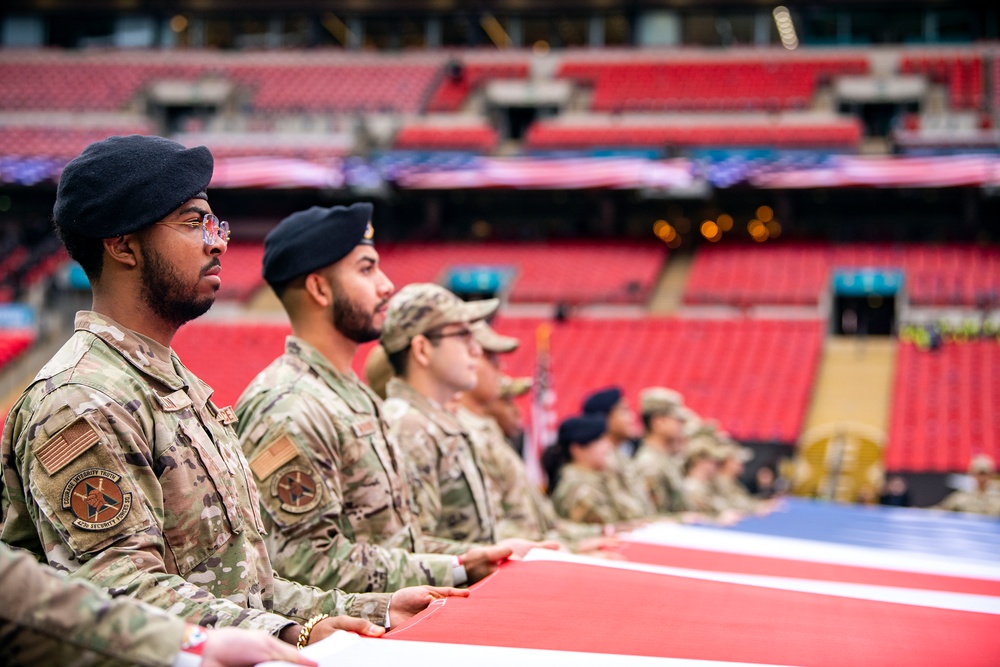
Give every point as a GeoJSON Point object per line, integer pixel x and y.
{"type": "Point", "coordinates": [514, 387]}
{"type": "Point", "coordinates": [421, 307]}
{"type": "Point", "coordinates": [981, 463]}
{"type": "Point", "coordinates": [378, 370]}
{"type": "Point", "coordinates": [660, 400]}
{"type": "Point", "coordinates": [491, 341]}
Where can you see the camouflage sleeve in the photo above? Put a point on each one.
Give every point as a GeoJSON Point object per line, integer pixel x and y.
{"type": "Point", "coordinates": [519, 517]}
{"type": "Point", "coordinates": [97, 506]}
{"type": "Point", "coordinates": [582, 503]}
{"type": "Point", "coordinates": [46, 618]}
{"type": "Point", "coordinates": [299, 602]}
{"type": "Point", "coordinates": [298, 467]}
{"type": "Point", "coordinates": [422, 468]}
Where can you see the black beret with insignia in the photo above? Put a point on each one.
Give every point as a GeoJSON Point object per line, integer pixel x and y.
{"type": "Point", "coordinates": [123, 184]}
{"type": "Point", "coordinates": [602, 402]}
{"type": "Point", "coordinates": [314, 238]}
{"type": "Point", "coordinates": [581, 430]}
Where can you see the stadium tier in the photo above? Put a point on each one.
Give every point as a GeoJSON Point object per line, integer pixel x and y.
{"type": "Point", "coordinates": [12, 343]}
{"type": "Point", "coordinates": [944, 406]}
{"type": "Point", "coordinates": [799, 273]}
{"type": "Point", "coordinates": [241, 267]}
{"type": "Point", "coordinates": [734, 83]}
{"type": "Point", "coordinates": [478, 137]}
{"type": "Point", "coordinates": [572, 272]}
{"type": "Point", "coordinates": [461, 79]}
{"type": "Point", "coordinates": [962, 73]}
{"type": "Point", "coordinates": [64, 142]}
{"type": "Point", "coordinates": [754, 377]}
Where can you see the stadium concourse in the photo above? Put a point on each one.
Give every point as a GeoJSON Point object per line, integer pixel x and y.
{"type": "Point", "coordinates": [801, 241]}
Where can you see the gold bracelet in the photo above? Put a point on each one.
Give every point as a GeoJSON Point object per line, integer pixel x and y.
{"type": "Point", "coordinates": [307, 629]}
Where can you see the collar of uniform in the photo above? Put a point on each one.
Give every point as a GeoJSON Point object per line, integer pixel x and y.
{"type": "Point", "coordinates": [444, 419]}
{"type": "Point", "coordinates": [148, 356]}
{"type": "Point", "coordinates": [334, 379]}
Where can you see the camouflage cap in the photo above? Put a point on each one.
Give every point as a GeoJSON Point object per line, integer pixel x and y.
{"type": "Point", "coordinates": [733, 450]}
{"type": "Point", "coordinates": [491, 341]}
{"type": "Point", "coordinates": [514, 387]}
{"type": "Point", "coordinates": [702, 447]}
{"type": "Point", "coordinates": [378, 370]}
{"type": "Point", "coordinates": [420, 307]}
{"type": "Point", "coordinates": [981, 463]}
{"type": "Point", "coordinates": [660, 400]}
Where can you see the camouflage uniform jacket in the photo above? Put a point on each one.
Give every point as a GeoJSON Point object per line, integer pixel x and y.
{"type": "Point", "coordinates": [735, 495]}
{"type": "Point", "coordinates": [700, 496]}
{"type": "Point", "coordinates": [333, 482]}
{"type": "Point", "coordinates": [663, 477]}
{"type": "Point", "coordinates": [505, 476]}
{"type": "Point", "coordinates": [48, 619]}
{"type": "Point", "coordinates": [118, 467]}
{"type": "Point", "coordinates": [625, 474]}
{"type": "Point", "coordinates": [972, 502]}
{"type": "Point", "coordinates": [588, 496]}
{"type": "Point", "coordinates": [451, 498]}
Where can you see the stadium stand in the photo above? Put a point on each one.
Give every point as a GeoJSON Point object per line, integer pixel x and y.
{"type": "Point", "coordinates": [61, 141]}
{"type": "Point", "coordinates": [13, 342]}
{"type": "Point", "coordinates": [798, 273]}
{"type": "Point", "coordinates": [544, 273]}
{"type": "Point", "coordinates": [944, 406]}
{"type": "Point", "coordinates": [461, 77]}
{"type": "Point", "coordinates": [477, 136]}
{"type": "Point", "coordinates": [754, 376]}
{"type": "Point", "coordinates": [241, 267]}
{"type": "Point", "coordinates": [735, 82]}
{"type": "Point", "coordinates": [961, 72]}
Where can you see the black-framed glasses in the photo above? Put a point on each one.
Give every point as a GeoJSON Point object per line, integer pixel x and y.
{"type": "Point", "coordinates": [212, 229]}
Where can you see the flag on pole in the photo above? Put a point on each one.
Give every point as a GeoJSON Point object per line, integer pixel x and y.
{"type": "Point", "coordinates": [543, 407]}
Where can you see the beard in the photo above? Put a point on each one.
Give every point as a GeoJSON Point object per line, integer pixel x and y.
{"type": "Point", "coordinates": [351, 320]}
{"type": "Point", "coordinates": [166, 294]}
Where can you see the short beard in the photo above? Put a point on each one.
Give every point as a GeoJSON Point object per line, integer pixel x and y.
{"type": "Point", "coordinates": [166, 295]}
{"type": "Point", "coordinates": [352, 322]}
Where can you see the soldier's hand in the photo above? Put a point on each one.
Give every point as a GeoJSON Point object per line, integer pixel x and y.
{"type": "Point", "coordinates": [361, 626]}
{"type": "Point", "coordinates": [521, 547]}
{"type": "Point", "coordinates": [409, 601]}
{"type": "Point", "coordinates": [481, 562]}
{"type": "Point", "coordinates": [599, 546]}
{"type": "Point", "coordinates": [232, 647]}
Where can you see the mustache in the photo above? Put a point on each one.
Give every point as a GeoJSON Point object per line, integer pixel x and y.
{"type": "Point", "coordinates": [381, 303]}
{"type": "Point", "coordinates": [211, 265]}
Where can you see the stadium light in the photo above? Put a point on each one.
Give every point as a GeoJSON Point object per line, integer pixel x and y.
{"type": "Point", "coordinates": [786, 29]}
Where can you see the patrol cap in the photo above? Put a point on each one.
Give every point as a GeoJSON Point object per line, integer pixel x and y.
{"type": "Point", "coordinates": [421, 307]}
{"type": "Point", "coordinates": [660, 400]}
{"type": "Point", "coordinates": [514, 387]}
{"type": "Point", "coordinates": [981, 464]}
{"type": "Point", "coordinates": [602, 401]}
{"type": "Point", "coordinates": [701, 447]}
{"type": "Point", "coordinates": [378, 370]}
{"type": "Point", "coordinates": [123, 184]}
{"type": "Point", "coordinates": [580, 430]}
{"type": "Point", "coordinates": [314, 238]}
{"type": "Point", "coordinates": [733, 450]}
{"type": "Point", "coordinates": [491, 341]}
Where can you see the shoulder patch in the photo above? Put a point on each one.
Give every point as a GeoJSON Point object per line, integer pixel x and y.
{"type": "Point", "coordinates": [364, 428]}
{"type": "Point", "coordinates": [296, 490]}
{"type": "Point", "coordinates": [95, 499]}
{"type": "Point", "coordinates": [61, 449]}
{"type": "Point", "coordinates": [272, 457]}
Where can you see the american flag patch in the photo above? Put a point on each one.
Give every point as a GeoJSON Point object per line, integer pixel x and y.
{"type": "Point", "coordinates": [60, 450]}
{"type": "Point", "coordinates": [272, 457]}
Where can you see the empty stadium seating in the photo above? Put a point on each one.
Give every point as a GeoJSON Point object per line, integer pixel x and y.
{"type": "Point", "coordinates": [963, 74]}
{"type": "Point", "coordinates": [739, 82]}
{"type": "Point", "coordinates": [544, 273]}
{"type": "Point", "coordinates": [452, 91]}
{"type": "Point", "coordinates": [755, 377]}
{"type": "Point", "coordinates": [241, 271]}
{"type": "Point", "coordinates": [478, 137]}
{"type": "Point", "coordinates": [61, 141]}
{"type": "Point", "coordinates": [557, 134]}
{"type": "Point", "coordinates": [798, 273]}
{"type": "Point", "coordinates": [12, 343]}
{"type": "Point", "coordinates": [944, 406]}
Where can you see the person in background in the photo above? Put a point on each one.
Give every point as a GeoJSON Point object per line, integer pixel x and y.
{"type": "Point", "coordinates": [981, 499]}
{"type": "Point", "coordinates": [659, 461]}
{"type": "Point", "coordinates": [896, 493]}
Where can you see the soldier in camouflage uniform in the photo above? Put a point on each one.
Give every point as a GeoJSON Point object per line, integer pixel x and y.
{"type": "Point", "coordinates": [334, 491]}
{"type": "Point", "coordinates": [585, 489]}
{"type": "Point", "coordinates": [659, 461]}
{"type": "Point", "coordinates": [117, 465]}
{"type": "Point", "coordinates": [982, 499]}
{"type": "Point", "coordinates": [50, 619]}
{"type": "Point", "coordinates": [728, 486]}
{"type": "Point", "coordinates": [434, 354]}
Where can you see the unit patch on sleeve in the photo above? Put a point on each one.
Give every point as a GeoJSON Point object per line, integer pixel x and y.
{"type": "Point", "coordinates": [96, 499]}
{"type": "Point", "coordinates": [295, 487]}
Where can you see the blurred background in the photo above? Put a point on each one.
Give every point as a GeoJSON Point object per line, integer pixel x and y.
{"type": "Point", "coordinates": [790, 215]}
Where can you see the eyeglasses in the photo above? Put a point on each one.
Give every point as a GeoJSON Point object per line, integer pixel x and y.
{"type": "Point", "coordinates": [212, 229]}
{"type": "Point", "coordinates": [465, 335]}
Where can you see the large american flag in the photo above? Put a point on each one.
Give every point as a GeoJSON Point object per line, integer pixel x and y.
{"type": "Point", "coordinates": [543, 407]}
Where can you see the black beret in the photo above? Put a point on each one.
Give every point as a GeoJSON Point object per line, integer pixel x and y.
{"type": "Point", "coordinates": [581, 430]}
{"type": "Point", "coordinates": [123, 184]}
{"type": "Point", "coordinates": [601, 402]}
{"type": "Point", "coordinates": [311, 239]}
